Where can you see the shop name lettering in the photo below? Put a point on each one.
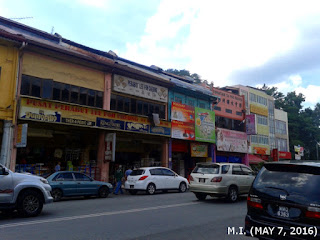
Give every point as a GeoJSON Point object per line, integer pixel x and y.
{"type": "Point", "coordinates": [110, 124]}
{"type": "Point", "coordinates": [142, 86]}
{"type": "Point", "coordinates": [41, 117]}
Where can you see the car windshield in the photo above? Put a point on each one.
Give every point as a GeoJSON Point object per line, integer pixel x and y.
{"type": "Point", "coordinates": [137, 172]}
{"type": "Point", "coordinates": [292, 180]}
{"type": "Point", "coordinates": [206, 169]}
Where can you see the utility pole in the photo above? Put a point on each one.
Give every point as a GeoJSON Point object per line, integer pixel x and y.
{"type": "Point", "coordinates": [317, 150]}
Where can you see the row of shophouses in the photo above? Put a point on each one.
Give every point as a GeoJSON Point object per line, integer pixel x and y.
{"type": "Point", "coordinates": [91, 110]}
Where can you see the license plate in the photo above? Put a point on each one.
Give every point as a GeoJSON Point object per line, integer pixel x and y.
{"type": "Point", "coordinates": [131, 186]}
{"type": "Point", "coordinates": [202, 180]}
{"type": "Point", "coordinates": [283, 212]}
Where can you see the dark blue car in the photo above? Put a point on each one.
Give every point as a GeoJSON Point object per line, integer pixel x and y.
{"type": "Point", "coordinates": [69, 183]}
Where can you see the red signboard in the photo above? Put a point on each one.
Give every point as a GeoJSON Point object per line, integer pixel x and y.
{"type": "Point", "coordinates": [285, 155]}
{"type": "Point", "coordinates": [182, 117]}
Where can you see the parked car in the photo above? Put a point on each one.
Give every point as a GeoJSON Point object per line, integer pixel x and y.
{"type": "Point", "coordinates": [150, 179]}
{"type": "Point", "coordinates": [69, 183]}
{"type": "Point", "coordinates": [221, 180]}
{"type": "Point", "coordinates": [286, 196]}
{"type": "Point", "coordinates": [23, 192]}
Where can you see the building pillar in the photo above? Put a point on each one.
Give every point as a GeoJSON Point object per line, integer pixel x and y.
{"type": "Point", "coordinates": [246, 159]}
{"type": "Point", "coordinates": [103, 165]}
{"type": "Point", "coordinates": [165, 154]}
{"type": "Point", "coordinates": [170, 153]}
{"type": "Point", "coordinates": [212, 152]}
{"type": "Point", "coordinates": [6, 146]}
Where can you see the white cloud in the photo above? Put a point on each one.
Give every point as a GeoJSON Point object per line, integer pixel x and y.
{"type": "Point", "coordinates": [224, 36]}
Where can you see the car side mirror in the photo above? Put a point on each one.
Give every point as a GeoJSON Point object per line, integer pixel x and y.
{"type": "Point", "coordinates": [5, 171]}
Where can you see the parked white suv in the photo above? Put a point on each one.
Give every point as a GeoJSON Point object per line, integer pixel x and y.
{"type": "Point", "coordinates": [24, 192]}
{"type": "Point", "coordinates": [221, 180]}
{"type": "Point", "coordinates": [150, 179]}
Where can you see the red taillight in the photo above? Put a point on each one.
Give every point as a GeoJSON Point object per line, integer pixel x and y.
{"type": "Point", "coordinates": [254, 202]}
{"type": "Point", "coordinates": [143, 178]}
{"type": "Point", "coordinates": [190, 178]}
{"type": "Point", "coordinates": [216, 179]}
{"type": "Point", "coordinates": [313, 212]}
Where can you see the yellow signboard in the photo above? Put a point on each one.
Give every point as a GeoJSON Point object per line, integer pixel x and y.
{"type": "Point", "coordinates": [54, 112]}
{"type": "Point", "coordinates": [258, 109]}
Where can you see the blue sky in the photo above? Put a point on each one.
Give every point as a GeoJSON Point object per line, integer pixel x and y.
{"type": "Point", "coordinates": [228, 42]}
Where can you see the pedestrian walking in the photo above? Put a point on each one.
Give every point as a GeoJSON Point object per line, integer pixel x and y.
{"type": "Point", "coordinates": [119, 178]}
{"type": "Point", "coordinates": [57, 168]}
{"type": "Point", "coordinates": [128, 172]}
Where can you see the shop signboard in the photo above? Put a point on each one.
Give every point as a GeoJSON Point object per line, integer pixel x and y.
{"type": "Point", "coordinates": [138, 88]}
{"type": "Point", "coordinates": [231, 141]}
{"type": "Point", "coordinates": [284, 155]}
{"type": "Point", "coordinates": [182, 130]}
{"type": "Point", "coordinates": [299, 152]}
{"type": "Point", "coordinates": [251, 126]}
{"type": "Point", "coordinates": [260, 150]}
{"type": "Point", "coordinates": [205, 125]}
{"type": "Point", "coordinates": [181, 112]}
{"type": "Point", "coordinates": [182, 124]}
{"type": "Point", "coordinates": [22, 135]}
{"type": "Point", "coordinates": [46, 111]}
{"type": "Point", "coordinates": [199, 150]}
{"type": "Point", "coordinates": [110, 147]}
{"type": "Point", "coordinates": [259, 109]}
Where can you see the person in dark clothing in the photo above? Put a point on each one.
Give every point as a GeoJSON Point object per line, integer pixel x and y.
{"type": "Point", "coordinates": [119, 177]}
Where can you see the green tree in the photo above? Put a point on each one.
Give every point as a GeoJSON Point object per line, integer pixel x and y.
{"type": "Point", "coordinates": [185, 73]}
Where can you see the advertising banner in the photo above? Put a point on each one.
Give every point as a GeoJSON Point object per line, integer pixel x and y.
{"type": "Point", "coordinates": [139, 88]}
{"type": "Point", "coordinates": [261, 110]}
{"type": "Point", "coordinates": [181, 112]}
{"type": "Point", "coordinates": [231, 141]}
{"type": "Point", "coordinates": [205, 125]}
{"type": "Point", "coordinates": [251, 124]}
{"type": "Point", "coordinates": [182, 124]}
{"type": "Point", "coordinates": [22, 135]}
{"type": "Point", "coordinates": [260, 150]}
{"type": "Point", "coordinates": [284, 155]}
{"type": "Point", "coordinates": [182, 130]}
{"type": "Point", "coordinates": [46, 111]}
{"type": "Point", "coordinates": [199, 150]}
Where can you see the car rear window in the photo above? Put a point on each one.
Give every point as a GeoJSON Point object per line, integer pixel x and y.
{"type": "Point", "coordinates": [206, 169]}
{"type": "Point", "coordinates": [298, 182]}
{"type": "Point", "coordinates": [137, 172]}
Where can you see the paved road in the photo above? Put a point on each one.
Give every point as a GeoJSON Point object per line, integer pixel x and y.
{"type": "Point", "coordinates": [161, 216]}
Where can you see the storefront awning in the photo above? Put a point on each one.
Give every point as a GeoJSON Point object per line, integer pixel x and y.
{"type": "Point", "coordinates": [254, 159]}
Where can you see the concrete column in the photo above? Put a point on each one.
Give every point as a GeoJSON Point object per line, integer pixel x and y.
{"type": "Point", "coordinates": [5, 155]}
{"type": "Point", "coordinates": [102, 165]}
{"type": "Point", "coordinates": [246, 159]}
{"type": "Point", "coordinates": [165, 154]}
{"type": "Point", "coordinates": [214, 152]}
{"type": "Point", "coordinates": [170, 153]}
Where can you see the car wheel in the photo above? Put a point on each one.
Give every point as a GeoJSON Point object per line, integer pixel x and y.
{"type": "Point", "coordinates": [56, 194]}
{"type": "Point", "coordinates": [133, 192]}
{"type": "Point", "coordinates": [151, 189]}
{"type": "Point", "coordinates": [182, 187]}
{"type": "Point", "coordinates": [30, 203]}
{"type": "Point", "coordinates": [232, 194]}
{"type": "Point", "coordinates": [103, 192]}
{"type": "Point", "coordinates": [201, 196]}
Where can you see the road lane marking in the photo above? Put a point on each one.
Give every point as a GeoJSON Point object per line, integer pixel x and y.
{"type": "Point", "coordinates": [94, 215]}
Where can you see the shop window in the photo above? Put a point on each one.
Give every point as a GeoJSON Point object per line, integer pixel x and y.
{"type": "Point", "coordinates": [228, 110]}
{"type": "Point", "coordinates": [162, 113]}
{"type": "Point", "coordinates": [25, 85]}
{"type": "Point", "coordinates": [145, 108]}
{"type": "Point", "coordinates": [139, 109]}
{"type": "Point", "coordinates": [65, 93]}
{"type": "Point", "coordinates": [202, 105]}
{"type": "Point", "coordinates": [91, 97]}
{"type": "Point", "coordinates": [57, 90]}
{"type": "Point", "coordinates": [99, 99]}
{"type": "Point", "coordinates": [74, 94]}
{"type": "Point", "coordinates": [239, 113]}
{"type": "Point", "coordinates": [151, 108]}
{"type": "Point", "coordinates": [120, 103]}
{"type": "Point", "coordinates": [35, 87]}
{"type": "Point", "coordinates": [178, 99]}
{"type": "Point", "coordinates": [47, 88]}
{"type": "Point", "coordinates": [156, 109]}
{"type": "Point", "coordinates": [127, 105]}
{"type": "Point", "coordinates": [133, 105]}
{"type": "Point", "coordinates": [113, 102]}
{"type": "Point", "coordinates": [83, 96]}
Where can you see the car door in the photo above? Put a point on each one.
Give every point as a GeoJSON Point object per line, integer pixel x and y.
{"type": "Point", "coordinates": [171, 181]}
{"type": "Point", "coordinates": [6, 186]}
{"type": "Point", "coordinates": [85, 186]}
{"type": "Point", "coordinates": [157, 178]}
{"type": "Point", "coordinates": [65, 181]}
{"type": "Point", "coordinates": [238, 178]}
{"type": "Point", "coordinates": [248, 177]}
